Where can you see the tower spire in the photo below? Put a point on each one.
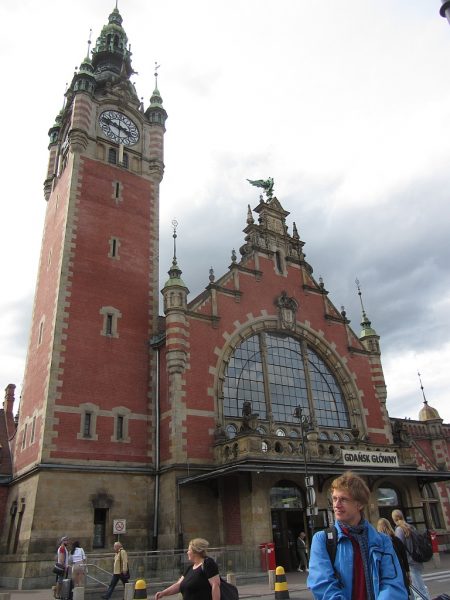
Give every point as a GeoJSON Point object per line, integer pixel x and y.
{"type": "Point", "coordinates": [421, 387]}
{"type": "Point", "coordinates": [156, 74]}
{"type": "Point", "coordinates": [365, 321]}
{"type": "Point", "coordinates": [174, 235]}
{"type": "Point", "coordinates": [89, 44]}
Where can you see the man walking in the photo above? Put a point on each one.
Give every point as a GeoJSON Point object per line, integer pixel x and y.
{"type": "Point", "coordinates": [302, 552]}
{"type": "Point", "coordinates": [365, 565]}
{"type": "Point", "coordinates": [62, 558]}
{"type": "Point", "coordinates": [120, 570]}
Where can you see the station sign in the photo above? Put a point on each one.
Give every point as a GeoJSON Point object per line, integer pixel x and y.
{"type": "Point", "coordinates": [365, 458]}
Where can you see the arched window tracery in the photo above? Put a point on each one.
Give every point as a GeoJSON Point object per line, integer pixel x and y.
{"type": "Point", "coordinates": [277, 373]}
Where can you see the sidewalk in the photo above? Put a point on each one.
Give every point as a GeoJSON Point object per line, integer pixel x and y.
{"type": "Point", "coordinates": [260, 588]}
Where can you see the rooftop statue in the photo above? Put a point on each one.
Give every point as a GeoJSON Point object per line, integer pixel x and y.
{"type": "Point", "coordinates": [266, 184]}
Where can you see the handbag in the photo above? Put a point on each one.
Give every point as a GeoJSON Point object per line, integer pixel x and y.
{"type": "Point", "coordinates": [59, 569]}
{"type": "Point", "coordinates": [228, 591]}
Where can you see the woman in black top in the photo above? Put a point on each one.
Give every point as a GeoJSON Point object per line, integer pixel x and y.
{"type": "Point", "coordinates": [201, 580]}
{"type": "Point", "coordinates": [383, 526]}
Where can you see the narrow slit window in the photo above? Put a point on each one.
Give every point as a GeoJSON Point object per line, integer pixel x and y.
{"type": "Point", "coordinates": [109, 324]}
{"type": "Point", "coordinates": [87, 426]}
{"type": "Point", "coordinates": [33, 430]}
{"type": "Point", "coordinates": [24, 439]}
{"type": "Point", "coordinates": [119, 427]}
{"type": "Point", "coordinates": [41, 332]}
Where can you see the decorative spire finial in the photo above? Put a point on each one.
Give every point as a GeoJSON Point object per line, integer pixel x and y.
{"type": "Point", "coordinates": [156, 74]}
{"type": "Point", "coordinates": [211, 275]}
{"type": "Point", "coordinates": [421, 387]}
{"type": "Point", "coordinates": [365, 322]}
{"type": "Point", "coordinates": [360, 297]}
{"type": "Point", "coordinates": [174, 225]}
{"type": "Point", "coordinates": [89, 44]}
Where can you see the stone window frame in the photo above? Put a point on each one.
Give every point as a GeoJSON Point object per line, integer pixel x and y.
{"type": "Point", "coordinates": [124, 413]}
{"type": "Point", "coordinates": [111, 317]}
{"type": "Point", "coordinates": [88, 408]}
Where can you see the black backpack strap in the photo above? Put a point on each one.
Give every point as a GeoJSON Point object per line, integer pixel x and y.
{"type": "Point", "coordinates": [331, 541]}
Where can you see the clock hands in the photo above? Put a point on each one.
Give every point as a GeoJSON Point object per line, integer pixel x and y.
{"type": "Point", "coordinates": [117, 125]}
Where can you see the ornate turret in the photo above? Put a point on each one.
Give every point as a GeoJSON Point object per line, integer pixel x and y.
{"type": "Point", "coordinates": [175, 290]}
{"type": "Point", "coordinates": [155, 113]}
{"type": "Point", "coordinates": [111, 58]}
{"type": "Point", "coordinates": [427, 412]}
{"type": "Point", "coordinates": [175, 295]}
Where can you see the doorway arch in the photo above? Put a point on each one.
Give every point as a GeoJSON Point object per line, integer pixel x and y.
{"type": "Point", "coordinates": [287, 505]}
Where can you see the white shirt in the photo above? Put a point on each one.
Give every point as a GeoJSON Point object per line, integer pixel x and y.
{"type": "Point", "coordinates": [78, 555]}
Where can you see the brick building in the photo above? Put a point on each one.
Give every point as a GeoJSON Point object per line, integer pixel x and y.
{"type": "Point", "coordinates": [206, 420]}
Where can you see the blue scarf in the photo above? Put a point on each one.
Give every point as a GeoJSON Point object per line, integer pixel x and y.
{"type": "Point", "coordinates": [361, 534]}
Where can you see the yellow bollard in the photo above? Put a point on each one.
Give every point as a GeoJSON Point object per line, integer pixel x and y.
{"type": "Point", "coordinates": [140, 590]}
{"type": "Point", "coordinates": [281, 586]}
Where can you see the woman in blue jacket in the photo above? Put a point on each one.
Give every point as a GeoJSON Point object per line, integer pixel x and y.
{"type": "Point", "coordinates": [366, 566]}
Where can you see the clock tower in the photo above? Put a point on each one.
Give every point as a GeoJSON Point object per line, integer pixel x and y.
{"type": "Point", "coordinates": [83, 453]}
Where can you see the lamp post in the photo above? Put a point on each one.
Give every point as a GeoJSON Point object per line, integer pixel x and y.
{"type": "Point", "coordinates": [306, 425]}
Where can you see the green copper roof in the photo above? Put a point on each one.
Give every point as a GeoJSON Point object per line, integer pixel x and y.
{"type": "Point", "coordinates": [174, 276]}
{"type": "Point", "coordinates": [111, 54]}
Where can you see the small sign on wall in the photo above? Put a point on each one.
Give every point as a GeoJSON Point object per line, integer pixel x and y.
{"type": "Point", "coordinates": [119, 526]}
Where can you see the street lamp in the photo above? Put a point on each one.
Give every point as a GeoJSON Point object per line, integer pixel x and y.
{"type": "Point", "coordinates": [306, 425]}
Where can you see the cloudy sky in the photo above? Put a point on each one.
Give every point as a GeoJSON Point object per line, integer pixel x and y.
{"type": "Point", "coordinates": [345, 104]}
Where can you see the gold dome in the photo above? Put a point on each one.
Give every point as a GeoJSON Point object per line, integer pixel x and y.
{"type": "Point", "coordinates": [428, 413]}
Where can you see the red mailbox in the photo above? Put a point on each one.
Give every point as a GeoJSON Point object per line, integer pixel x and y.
{"type": "Point", "coordinates": [434, 541]}
{"type": "Point", "coordinates": [267, 551]}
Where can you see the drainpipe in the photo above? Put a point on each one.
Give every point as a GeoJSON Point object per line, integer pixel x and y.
{"type": "Point", "coordinates": [155, 343]}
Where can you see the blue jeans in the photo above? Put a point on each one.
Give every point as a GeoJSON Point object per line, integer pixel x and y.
{"type": "Point", "coordinates": [416, 571]}
{"type": "Point", "coordinates": [114, 581]}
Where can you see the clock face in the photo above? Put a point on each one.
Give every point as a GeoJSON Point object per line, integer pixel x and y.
{"type": "Point", "coordinates": [118, 127]}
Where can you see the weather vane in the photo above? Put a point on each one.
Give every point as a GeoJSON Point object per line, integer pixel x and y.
{"type": "Point", "coordinates": [156, 74]}
{"type": "Point", "coordinates": [174, 225]}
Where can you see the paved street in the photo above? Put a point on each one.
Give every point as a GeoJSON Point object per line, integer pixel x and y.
{"type": "Point", "coordinates": [437, 577]}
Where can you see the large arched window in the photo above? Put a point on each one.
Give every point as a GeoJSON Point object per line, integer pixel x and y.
{"type": "Point", "coordinates": [277, 373]}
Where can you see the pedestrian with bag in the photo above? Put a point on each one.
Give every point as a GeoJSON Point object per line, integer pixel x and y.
{"type": "Point", "coordinates": [383, 526]}
{"type": "Point", "coordinates": [121, 571]}
{"type": "Point", "coordinates": [405, 532]}
{"type": "Point", "coordinates": [352, 561]}
{"type": "Point", "coordinates": [61, 568]}
{"type": "Point", "coordinates": [201, 579]}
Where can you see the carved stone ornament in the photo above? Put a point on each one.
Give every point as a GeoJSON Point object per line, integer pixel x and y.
{"type": "Point", "coordinates": [287, 311]}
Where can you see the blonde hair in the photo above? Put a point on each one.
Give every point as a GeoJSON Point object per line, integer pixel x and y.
{"type": "Point", "coordinates": [199, 546]}
{"type": "Point", "coordinates": [399, 520]}
{"type": "Point", "coordinates": [354, 485]}
{"type": "Point", "coordinates": [383, 526]}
